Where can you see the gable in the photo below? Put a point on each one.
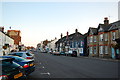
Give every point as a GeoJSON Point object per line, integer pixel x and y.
{"type": "Point", "coordinates": [100, 29]}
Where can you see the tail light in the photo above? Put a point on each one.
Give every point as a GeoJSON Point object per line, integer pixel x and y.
{"type": "Point", "coordinates": [25, 66]}
{"type": "Point", "coordinates": [28, 57]}
{"type": "Point", "coordinates": [4, 77]}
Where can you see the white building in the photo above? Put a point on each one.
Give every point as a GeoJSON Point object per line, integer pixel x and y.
{"type": "Point", "coordinates": [5, 40]}
{"type": "Point", "coordinates": [51, 45]}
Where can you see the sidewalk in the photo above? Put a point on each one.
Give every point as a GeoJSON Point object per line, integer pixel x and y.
{"type": "Point", "coordinates": [105, 59]}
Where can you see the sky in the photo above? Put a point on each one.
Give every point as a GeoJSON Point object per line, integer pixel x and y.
{"type": "Point", "coordinates": [41, 20]}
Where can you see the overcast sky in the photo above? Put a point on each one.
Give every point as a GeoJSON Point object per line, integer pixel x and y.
{"type": "Point", "coordinates": [46, 20]}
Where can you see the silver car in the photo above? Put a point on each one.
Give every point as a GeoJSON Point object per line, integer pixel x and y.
{"type": "Point", "coordinates": [25, 55]}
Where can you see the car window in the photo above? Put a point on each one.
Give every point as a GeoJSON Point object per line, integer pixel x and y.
{"type": "Point", "coordinates": [19, 54]}
{"type": "Point", "coordinates": [28, 54]}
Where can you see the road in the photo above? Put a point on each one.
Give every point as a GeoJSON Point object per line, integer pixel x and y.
{"type": "Point", "coordinates": [51, 66]}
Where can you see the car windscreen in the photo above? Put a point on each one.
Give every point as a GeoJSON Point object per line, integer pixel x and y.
{"type": "Point", "coordinates": [28, 54]}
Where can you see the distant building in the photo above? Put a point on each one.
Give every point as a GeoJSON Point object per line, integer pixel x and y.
{"type": "Point", "coordinates": [74, 42]}
{"type": "Point", "coordinates": [15, 34]}
{"type": "Point", "coordinates": [51, 44]}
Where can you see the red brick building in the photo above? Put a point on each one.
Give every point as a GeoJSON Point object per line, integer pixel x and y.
{"type": "Point", "coordinates": [15, 34]}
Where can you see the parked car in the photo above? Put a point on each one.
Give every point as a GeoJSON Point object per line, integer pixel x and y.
{"type": "Point", "coordinates": [74, 54]}
{"type": "Point", "coordinates": [25, 55]}
{"type": "Point", "coordinates": [11, 70]}
{"type": "Point", "coordinates": [28, 65]}
{"type": "Point", "coordinates": [30, 51]}
{"type": "Point", "coordinates": [56, 53]}
{"type": "Point", "coordinates": [71, 53]}
{"type": "Point", "coordinates": [62, 53]}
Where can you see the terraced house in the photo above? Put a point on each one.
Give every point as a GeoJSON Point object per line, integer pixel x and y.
{"type": "Point", "coordinates": [93, 42]}
{"type": "Point", "coordinates": [73, 42]}
{"type": "Point", "coordinates": [102, 40]}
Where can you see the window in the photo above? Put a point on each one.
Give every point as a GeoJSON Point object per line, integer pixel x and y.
{"type": "Point", "coordinates": [81, 50]}
{"type": "Point", "coordinates": [81, 43]}
{"type": "Point", "coordinates": [19, 54]}
{"type": "Point", "coordinates": [113, 35]}
{"type": "Point", "coordinates": [95, 38]}
{"type": "Point", "coordinates": [95, 50]}
{"type": "Point", "coordinates": [101, 37]}
{"type": "Point", "coordinates": [88, 40]}
{"type": "Point", "coordinates": [91, 39]}
{"type": "Point", "coordinates": [90, 49]}
{"type": "Point", "coordinates": [106, 37]}
{"type": "Point", "coordinates": [106, 49]}
{"type": "Point", "coordinates": [101, 49]}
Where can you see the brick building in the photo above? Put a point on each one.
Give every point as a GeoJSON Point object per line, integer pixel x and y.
{"type": "Point", "coordinates": [102, 40]}
{"type": "Point", "coordinates": [15, 34]}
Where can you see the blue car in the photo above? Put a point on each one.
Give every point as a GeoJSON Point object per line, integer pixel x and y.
{"type": "Point", "coordinates": [11, 70]}
{"type": "Point", "coordinates": [28, 65]}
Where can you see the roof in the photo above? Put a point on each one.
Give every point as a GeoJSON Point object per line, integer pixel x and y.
{"type": "Point", "coordinates": [104, 27]}
{"type": "Point", "coordinates": [112, 26]}
{"type": "Point", "coordinates": [72, 37]}
{"type": "Point", "coordinates": [94, 30]}
{"type": "Point", "coordinates": [115, 25]}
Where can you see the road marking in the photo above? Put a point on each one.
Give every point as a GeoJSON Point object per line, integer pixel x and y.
{"type": "Point", "coordinates": [45, 73]}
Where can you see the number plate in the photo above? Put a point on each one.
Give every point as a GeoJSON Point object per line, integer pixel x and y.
{"type": "Point", "coordinates": [18, 75]}
{"type": "Point", "coordinates": [31, 64]}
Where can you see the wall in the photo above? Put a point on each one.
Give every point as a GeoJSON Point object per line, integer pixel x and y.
{"type": "Point", "coordinates": [4, 39]}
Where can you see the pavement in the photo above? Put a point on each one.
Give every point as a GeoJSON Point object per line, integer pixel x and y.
{"type": "Point", "coordinates": [105, 59]}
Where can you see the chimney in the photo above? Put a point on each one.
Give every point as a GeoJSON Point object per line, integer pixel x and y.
{"type": "Point", "coordinates": [106, 21]}
{"type": "Point", "coordinates": [76, 30]}
{"type": "Point", "coordinates": [61, 35]}
{"type": "Point", "coordinates": [2, 29]}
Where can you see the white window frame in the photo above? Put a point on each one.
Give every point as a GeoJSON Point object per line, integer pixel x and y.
{"type": "Point", "coordinates": [113, 35]}
{"type": "Point", "coordinates": [91, 38]}
{"type": "Point", "coordinates": [95, 38]}
{"type": "Point", "coordinates": [90, 49]}
{"type": "Point", "coordinates": [101, 49]}
{"type": "Point", "coordinates": [95, 50]}
{"type": "Point", "coordinates": [106, 49]}
{"type": "Point", "coordinates": [101, 37]}
{"type": "Point", "coordinates": [106, 37]}
{"type": "Point", "coordinates": [81, 50]}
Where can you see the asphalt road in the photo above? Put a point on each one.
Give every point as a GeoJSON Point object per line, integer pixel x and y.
{"type": "Point", "coordinates": [51, 66]}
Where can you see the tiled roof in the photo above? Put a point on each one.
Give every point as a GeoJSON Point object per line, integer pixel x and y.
{"type": "Point", "coordinates": [104, 27]}
{"type": "Point", "coordinates": [115, 25]}
{"type": "Point", "coordinates": [72, 37]}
